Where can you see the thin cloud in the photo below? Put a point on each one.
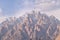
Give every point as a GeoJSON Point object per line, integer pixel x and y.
{"type": "Point", "coordinates": [56, 13]}
{"type": "Point", "coordinates": [2, 19]}
{"type": "Point", "coordinates": [22, 12]}
{"type": "Point", "coordinates": [1, 14]}
{"type": "Point", "coordinates": [42, 5]}
{"type": "Point", "coordinates": [0, 10]}
{"type": "Point", "coordinates": [47, 4]}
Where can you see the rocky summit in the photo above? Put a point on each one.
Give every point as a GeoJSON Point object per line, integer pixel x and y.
{"type": "Point", "coordinates": [31, 26]}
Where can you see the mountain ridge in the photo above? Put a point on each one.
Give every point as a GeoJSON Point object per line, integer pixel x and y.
{"type": "Point", "coordinates": [33, 26]}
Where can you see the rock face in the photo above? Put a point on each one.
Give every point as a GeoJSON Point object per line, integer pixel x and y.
{"type": "Point", "coordinates": [58, 37]}
{"type": "Point", "coordinates": [34, 26]}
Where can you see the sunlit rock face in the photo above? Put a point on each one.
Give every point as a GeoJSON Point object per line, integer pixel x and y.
{"type": "Point", "coordinates": [33, 26]}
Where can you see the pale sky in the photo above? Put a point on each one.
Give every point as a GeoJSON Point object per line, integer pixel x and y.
{"type": "Point", "coordinates": [18, 7]}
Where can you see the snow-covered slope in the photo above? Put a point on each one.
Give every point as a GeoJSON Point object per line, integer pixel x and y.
{"type": "Point", "coordinates": [2, 19]}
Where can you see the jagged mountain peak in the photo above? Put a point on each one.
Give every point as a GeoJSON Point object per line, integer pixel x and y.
{"type": "Point", "coordinates": [31, 26]}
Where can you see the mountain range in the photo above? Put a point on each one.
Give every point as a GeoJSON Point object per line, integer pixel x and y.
{"type": "Point", "coordinates": [31, 26]}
